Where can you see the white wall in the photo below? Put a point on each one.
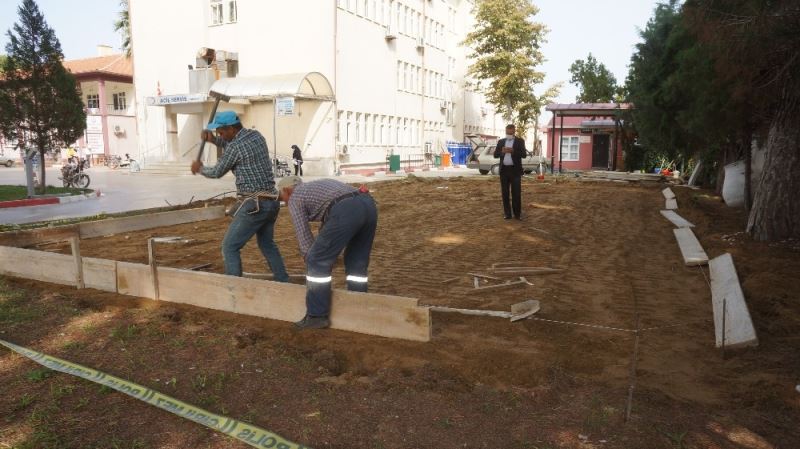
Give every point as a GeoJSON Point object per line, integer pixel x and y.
{"type": "Point", "coordinates": [346, 43]}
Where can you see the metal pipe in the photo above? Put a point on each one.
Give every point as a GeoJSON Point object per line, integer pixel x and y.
{"type": "Point", "coordinates": [561, 144]}
{"type": "Point", "coordinates": [553, 145]}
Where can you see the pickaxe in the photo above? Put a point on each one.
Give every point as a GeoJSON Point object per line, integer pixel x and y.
{"type": "Point", "coordinates": [218, 96]}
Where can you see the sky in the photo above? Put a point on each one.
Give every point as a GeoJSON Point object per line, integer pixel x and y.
{"type": "Point", "coordinates": [609, 30]}
{"type": "Point", "coordinates": [79, 30]}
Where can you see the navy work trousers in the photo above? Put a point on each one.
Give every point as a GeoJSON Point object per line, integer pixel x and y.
{"type": "Point", "coordinates": [350, 226]}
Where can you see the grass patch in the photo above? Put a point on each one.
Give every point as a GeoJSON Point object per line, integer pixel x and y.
{"type": "Point", "coordinates": [124, 333]}
{"type": "Point", "coordinates": [9, 193]}
{"type": "Point", "coordinates": [13, 309]}
{"type": "Point", "coordinates": [39, 375]}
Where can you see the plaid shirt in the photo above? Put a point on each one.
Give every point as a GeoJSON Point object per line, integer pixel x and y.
{"type": "Point", "coordinates": [309, 202]}
{"type": "Point", "coordinates": [247, 155]}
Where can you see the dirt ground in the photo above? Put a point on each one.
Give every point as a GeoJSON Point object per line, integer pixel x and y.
{"type": "Point", "coordinates": [481, 382]}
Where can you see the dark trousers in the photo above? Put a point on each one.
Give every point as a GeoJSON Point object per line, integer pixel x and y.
{"type": "Point", "coordinates": [298, 168]}
{"type": "Point", "coordinates": [350, 226]}
{"type": "Point", "coordinates": [511, 181]}
{"type": "Point", "coordinates": [259, 220]}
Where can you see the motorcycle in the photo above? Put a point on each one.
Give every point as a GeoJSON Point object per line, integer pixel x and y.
{"type": "Point", "coordinates": [72, 174]}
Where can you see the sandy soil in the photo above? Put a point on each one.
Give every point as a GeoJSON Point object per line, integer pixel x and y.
{"type": "Point", "coordinates": [481, 382]}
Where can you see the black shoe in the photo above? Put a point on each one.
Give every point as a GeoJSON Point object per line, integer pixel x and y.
{"type": "Point", "coordinates": [313, 322]}
{"type": "Point", "coordinates": [518, 217]}
{"type": "Point", "coordinates": [507, 217]}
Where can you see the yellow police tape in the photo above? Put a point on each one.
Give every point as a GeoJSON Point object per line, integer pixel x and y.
{"type": "Point", "coordinates": [247, 433]}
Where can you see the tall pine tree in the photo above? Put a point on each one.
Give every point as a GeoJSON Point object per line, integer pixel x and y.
{"type": "Point", "coordinates": [40, 102]}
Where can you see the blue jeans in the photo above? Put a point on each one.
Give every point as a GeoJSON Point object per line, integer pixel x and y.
{"type": "Point", "coordinates": [350, 226]}
{"type": "Point", "coordinates": [247, 222]}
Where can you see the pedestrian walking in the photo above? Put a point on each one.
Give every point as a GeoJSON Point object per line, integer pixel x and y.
{"type": "Point", "coordinates": [297, 159]}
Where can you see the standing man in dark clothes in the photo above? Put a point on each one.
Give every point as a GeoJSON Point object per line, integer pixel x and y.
{"type": "Point", "coordinates": [297, 159]}
{"type": "Point", "coordinates": [247, 156]}
{"type": "Point", "coordinates": [349, 218]}
{"type": "Point", "coordinates": [511, 151]}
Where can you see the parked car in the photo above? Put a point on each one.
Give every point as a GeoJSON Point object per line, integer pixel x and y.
{"type": "Point", "coordinates": [8, 161]}
{"type": "Point", "coordinates": [482, 158]}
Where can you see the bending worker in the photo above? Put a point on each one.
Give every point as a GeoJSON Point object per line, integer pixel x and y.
{"type": "Point", "coordinates": [246, 154]}
{"type": "Point", "coordinates": [349, 219]}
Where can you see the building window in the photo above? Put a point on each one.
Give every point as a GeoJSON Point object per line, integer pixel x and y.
{"type": "Point", "coordinates": [119, 102]}
{"type": "Point", "coordinates": [93, 101]}
{"type": "Point", "coordinates": [233, 12]}
{"type": "Point", "coordinates": [216, 12]}
{"type": "Point", "coordinates": [569, 148]}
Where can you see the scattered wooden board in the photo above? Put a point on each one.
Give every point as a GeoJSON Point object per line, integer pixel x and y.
{"type": "Point", "coordinates": [676, 219]}
{"type": "Point", "coordinates": [668, 193]}
{"type": "Point", "coordinates": [672, 204]}
{"type": "Point", "coordinates": [725, 287]}
{"type": "Point", "coordinates": [693, 253]}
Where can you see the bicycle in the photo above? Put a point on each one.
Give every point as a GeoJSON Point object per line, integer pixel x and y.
{"type": "Point", "coordinates": [113, 161]}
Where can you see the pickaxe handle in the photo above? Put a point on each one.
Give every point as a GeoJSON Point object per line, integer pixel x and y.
{"type": "Point", "coordinates": [213, 113]}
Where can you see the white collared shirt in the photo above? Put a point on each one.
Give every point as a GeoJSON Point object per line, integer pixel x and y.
{"type": "Point", "coordinates": [507, 158]}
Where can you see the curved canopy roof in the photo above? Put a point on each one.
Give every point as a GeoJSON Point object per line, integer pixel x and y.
{"type": "Point", "coordinates": [311, 85]}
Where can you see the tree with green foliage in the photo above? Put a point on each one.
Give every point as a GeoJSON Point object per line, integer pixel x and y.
{"type": "Point", "coordinates": [123, 26]}
{"type": "Point", "coordinates": [755, 45]}
{"type": "Point", "coordinates": [712, 76]}
{"type": "Point", "coordinates": [40, 104]}
{"type": "Point", "coordinates": [596, 83]}
{"type": "Point", "coordinates": [505, 46]}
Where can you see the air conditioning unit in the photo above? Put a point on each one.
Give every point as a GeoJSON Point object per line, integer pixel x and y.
{"type": "Point", "coordinates": [443, 104]}
{"type": "Point", "coordinates": [390, 33]}
{"type": "Point", "coordinates": [484, 111]}
{"type": "Point", "coordinates": [118, 131]}
{"type": "Point", "coordinates": [420, 43]}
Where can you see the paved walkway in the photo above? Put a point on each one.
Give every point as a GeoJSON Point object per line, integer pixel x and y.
{"type": "Point", "coordinates": [123, 191]}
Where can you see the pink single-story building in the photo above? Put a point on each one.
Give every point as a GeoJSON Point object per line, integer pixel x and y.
{"type": "Point", "coordinates": [586, 136]}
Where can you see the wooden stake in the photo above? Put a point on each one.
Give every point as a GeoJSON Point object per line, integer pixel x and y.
{"type": "Point", "coordinates": [76, 254]}
{"type": "Point", "coordinates": [151, 253]}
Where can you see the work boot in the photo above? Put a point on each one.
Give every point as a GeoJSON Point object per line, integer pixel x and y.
{"type": "Point", "coordinates": [313, 322]}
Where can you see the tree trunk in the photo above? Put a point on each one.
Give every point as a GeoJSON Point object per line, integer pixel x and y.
{"type": "Point", "coordinates": [775, 214]}
{"type": "Point", "coordinates": [42, 181]}
{"type": "Point", "coordinates": [747, 147]}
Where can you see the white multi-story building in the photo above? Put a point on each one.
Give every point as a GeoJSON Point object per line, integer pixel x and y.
{"type": "Point", "coordinates": [349, 81]}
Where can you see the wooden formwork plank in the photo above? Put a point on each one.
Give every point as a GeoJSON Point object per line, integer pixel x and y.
{"type": "Point", "coordinates": [148, 221]}
{"type": "Point", "coordinates": [725, 289]}
{"type": "Point", "coordinates": [676, 219]}
{"type": "Point", "coordinates": [692, 251]}
{"type": "Point", "coordinates": [671, 204]}
{"type": "Point", "coordinates": [38, 265]}
{"type": "Point", "coordinates": [100, 274]}
{"type": "Point", "coordinates": [30, 237]}
{"type": "Point", "coordinates": [386, 316]}
{"type": "Point", "coordinates": [135, 279]}
{"type": "Point", "coordinates": [75, 244]}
